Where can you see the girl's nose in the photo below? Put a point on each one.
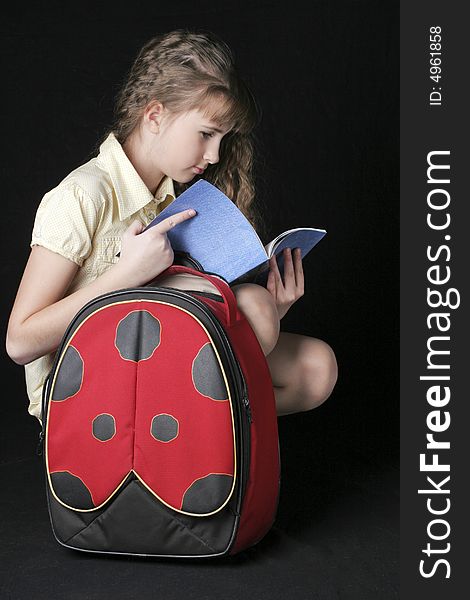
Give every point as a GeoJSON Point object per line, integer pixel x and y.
{"type": "Point", "coordinates": [211, 158]}
{"type": "Point", "coordinates": [211, 155]}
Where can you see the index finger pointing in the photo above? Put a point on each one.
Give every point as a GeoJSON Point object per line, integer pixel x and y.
{"type": "Point", "coordinates": [174, 220]}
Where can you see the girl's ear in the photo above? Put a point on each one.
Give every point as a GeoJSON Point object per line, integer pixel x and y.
{"type": "Point", "coordinates": [153, 115]}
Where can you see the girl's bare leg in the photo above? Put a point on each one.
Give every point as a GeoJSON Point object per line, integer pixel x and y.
{"type": "Point", "coordinates": [259, 307]}
{"type": "Point", "coordinates": [304, 372]}
{"type": "Point", "coordinates": [303, 369]}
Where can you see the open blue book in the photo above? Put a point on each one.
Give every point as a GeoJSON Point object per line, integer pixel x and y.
{"type": "Point", "coordinates": [222, 240]}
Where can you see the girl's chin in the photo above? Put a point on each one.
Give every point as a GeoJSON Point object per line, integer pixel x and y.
{"type": "Point", "coordinates": [188, 178]}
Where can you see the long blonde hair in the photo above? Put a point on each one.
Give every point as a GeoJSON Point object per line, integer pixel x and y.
{"type": "Point", "coordinates": [187, 70]}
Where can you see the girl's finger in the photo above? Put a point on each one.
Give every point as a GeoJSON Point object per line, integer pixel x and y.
{"type": "Point", "coordinates": [271, 284]}
{"type": "Point", "coordinates": [274, 267]}
{"type": "Point", "coordinates": [170, 222]}
{"type": "Point", "coordinates": [299, 271]}
{"type": "Point", "coordinates": [289, 275]}
{"type": "Point", "coordinates": [135, 227]}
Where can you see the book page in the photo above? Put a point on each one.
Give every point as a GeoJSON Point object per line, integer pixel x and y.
{"type": "Point", "coordinates": [301, 237]}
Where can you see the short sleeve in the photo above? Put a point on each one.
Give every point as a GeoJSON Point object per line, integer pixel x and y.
{"type": "Point", "coordinates": [65, 223]}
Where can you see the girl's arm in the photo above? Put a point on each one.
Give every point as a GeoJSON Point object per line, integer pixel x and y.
{"type": "Point", "coordinates": [41, 314]}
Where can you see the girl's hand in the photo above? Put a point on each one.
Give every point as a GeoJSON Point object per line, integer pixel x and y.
{"type": "Point", "coordinates": [287, 292]}
{"type": "Point", "coordinates": [145, 255]}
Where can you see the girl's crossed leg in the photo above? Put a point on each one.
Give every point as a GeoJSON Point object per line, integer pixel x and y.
{"type": "Point", "coordinates": [303, 369]}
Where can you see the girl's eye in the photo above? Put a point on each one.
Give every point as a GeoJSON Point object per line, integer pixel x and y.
{"type": "Point", "coordinates": [206, 135]}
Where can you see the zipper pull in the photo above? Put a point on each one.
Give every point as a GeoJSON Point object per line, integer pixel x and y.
{"type": "Point", "coordinates": [41, 440]}
{"type": "Point", "coordinates": [246, 404]}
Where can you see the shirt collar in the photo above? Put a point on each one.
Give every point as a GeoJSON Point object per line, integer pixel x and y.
{"type": "Point", "coordinates": [131, 192]}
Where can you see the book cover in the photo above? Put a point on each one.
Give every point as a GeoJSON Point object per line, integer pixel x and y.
{"type": "Point", "coordinates": [222, 239]}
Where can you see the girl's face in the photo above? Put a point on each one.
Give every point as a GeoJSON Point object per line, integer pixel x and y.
{"type": "Point", "coordinates": [186, 145]}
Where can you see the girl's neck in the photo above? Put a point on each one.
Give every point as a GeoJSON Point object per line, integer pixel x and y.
{"type": "Point", "coordinates": [136, 151]}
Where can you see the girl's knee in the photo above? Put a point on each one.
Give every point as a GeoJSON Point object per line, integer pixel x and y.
{"type": "Point", "coordinates": [259, 307]}
{"type": "Point", "coordinates": [257, 303]}
{"type": "Point", "coordinates": [319, 372]}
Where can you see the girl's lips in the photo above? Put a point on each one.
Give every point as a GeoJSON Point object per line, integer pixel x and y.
{"type": "Point", "coordinates": [198, 170]}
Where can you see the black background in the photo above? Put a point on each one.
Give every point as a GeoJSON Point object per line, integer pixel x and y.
{"type": "Point", "coordinates": [327, 80]}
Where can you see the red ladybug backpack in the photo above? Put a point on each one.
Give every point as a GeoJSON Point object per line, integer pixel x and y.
{"type": "Point", "coordinates": [159, 426]}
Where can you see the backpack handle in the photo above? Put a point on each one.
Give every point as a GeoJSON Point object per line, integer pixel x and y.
{"type": "Point", "coordinates": [230, 302]}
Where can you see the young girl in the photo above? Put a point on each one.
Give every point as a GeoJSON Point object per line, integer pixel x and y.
{"type": "Point", "coordinates": [183, 111]}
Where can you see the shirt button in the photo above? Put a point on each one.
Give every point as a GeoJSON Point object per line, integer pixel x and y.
{"type": "Point", "coordinates": [151, 215]}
